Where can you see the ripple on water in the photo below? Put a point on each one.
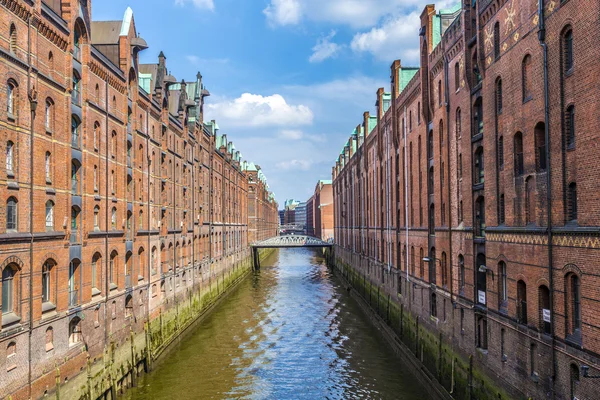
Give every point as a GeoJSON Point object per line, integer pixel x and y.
{"type": "Point", "coordinates": [289, 332]}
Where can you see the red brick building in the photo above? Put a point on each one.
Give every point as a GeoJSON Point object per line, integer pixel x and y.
{"type": "Point", "coordinates": [470, 197]}
{"type": "Point", "coordinates": [118, 202]}
{"type": "Point", "coordinates": [322, 210]}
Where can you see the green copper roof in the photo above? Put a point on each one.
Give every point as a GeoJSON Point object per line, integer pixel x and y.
{"type": "Point", "coordinates": [437, 31]}
{"type": "Point", "coordinates": [387, 100]}
{"type": "Point", "coordinates": [451, 10]}
{"type": "Point", "coordinates": [145, 81]}
{"type": "Point", "coordinates": [372, 124]}
{"type": "Point", "coordinates": [406, 74]}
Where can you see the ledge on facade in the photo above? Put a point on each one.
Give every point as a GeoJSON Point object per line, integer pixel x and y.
{"type": "Point", "coordinates": [48, 235]}
{"type": "Point", "coordinates": [95, 234]}
{"type": "Point", "coordinates": [9, 319]}
{"type": "Point", "coordinates": [13, 186]}
{"type": "Point", "coordinates": [173, 231]}
{"type": "Point", "coordinates": [15, 237]}
{"type": "Point", "coordinates": [48, 306]}
{"type": "Point", "coordinates": [147, 232]}
{"type": "Point", "coordinates": [517, 229]}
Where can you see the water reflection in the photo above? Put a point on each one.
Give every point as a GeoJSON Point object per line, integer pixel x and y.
{"type": "Point", "coordinates": [289, 332]}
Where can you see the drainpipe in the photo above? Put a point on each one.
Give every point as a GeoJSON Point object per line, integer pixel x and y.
{"type": "Point", "coordinates": [106, 206]}
{"type": "Point", "coordinates": [33, 105]}
{"type": "Point", "coordinates": [542, 40]}
{"type": "Point", "coordinates": [149, 165]}
{"type": "Point", "coordinates": [406, 196]}
{"type": "Point", "coordinates": [449, 198]}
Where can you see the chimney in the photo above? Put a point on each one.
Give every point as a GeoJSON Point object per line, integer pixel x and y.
{"type": "Point", "coordinates": [395, 78]}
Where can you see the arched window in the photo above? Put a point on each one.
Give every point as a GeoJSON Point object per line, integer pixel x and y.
{"type": "Point", "coordinates": [114, 103]}
{"type": "Point", "coordinates": [13, 39]}
{"type": "Point", "coordinates": [567, 47]}
{"type": "Point", "coordinates": [153, 260]}
{"type": "Point", "coordinates": [113, 144]}
{"type": "Point", "coordinates": [96, 134]}
{"type": "Point", "coordinates": [497, 40]}
{"type": "Point", "coordinates": [8, 289]}
{"type": "Point", "coordinates": [478, 167]}
{"type": "Point", "coordinates": [478, 117]}
{"type": "Point", "coordinates": [11, 214]}
{"type": "Point", "coordinates": [112, 267]}
{"type": "Point", "coordinates": [50, 63]}
{"type": "Point", "coordinates": [74, 331]}
{"type": "Point", "coordinates": [518, 153]}
{"type": "Point", "coordinates": [128, 306]}
{"type": "Point", "coordinates": [569, 125]}
{"type": "Point", "coordinates": [96, 267]}
{"type": "Point", "coordinates": [10, 158]}
{"type": "Point", "coordinates": [47, 295]}
{"type": "Point", "coordinates": [440, 92]}
{"type": "Point", "coordinates": [457, 75]}
{"type": "Point", "coordinates": [572, 202]}
{"type": "Point", "coordinates": [49, 121]}
{"type": "Point", "coordinates": [544, 309]}
{"type": "Point", "coordinates": [96, 218]}
{"type": "Point", "coordinates": [574, 380]}
{"type": "Point", "coordinates": [521, 302]}
{"type": "Point", "coordinates": [113, 182]}
{"type": "Point", "coordinates": [49, 338]}
{"type": "Point", "coordinates": [476, 75]}
{"type": "Point", "coordinates": [573, 306]}
{"type": "Point", "coordinates": [127, 269]}
{"type": "Point", "coordinates": [11, 98]}
{"type": "Point", "coordinates": [141, 220]}
{"type": "Point", "coordinates": [49, 216]}
{"type": "Point", "coordinates": [499, 96]}
{"type": "Point", "coordinates": [141, 263]}
{"type": "Point", "coordinates": [421, 264]}
{"type": "Point", "coordinates": [445, 271]}
{"type": "Point", "coordinates": [113, 218]}
{"type": "Point", "coordinates": [461, 275]}
{"type": "Point", "coordinates": [77, 42]}
{"type": "Point", "coordinates": [540, 147]}
{"type": "Point", "coordinates": [75, 134]}
{"type": "Point", "coordinates": [526, 77]}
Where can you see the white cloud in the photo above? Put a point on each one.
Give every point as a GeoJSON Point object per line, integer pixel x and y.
{"type": "Point", "coordinates": [253, 110]}
{"type": "Point", "coordinates": [324, 49]}
{"type": "Point", "coordinates": [207, 4]}
{"type": "Point", "coordinates": [197, 61]}
{"type": "Point", "coordinates": [291, 134]}
{"type": "Point", "coordinates": [303, 165]}
{"type": "Point", "coordinates": [397, 37]}
{"type": "Point", "coordinates": [283, 12]}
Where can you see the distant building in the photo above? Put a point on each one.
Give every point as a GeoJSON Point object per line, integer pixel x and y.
{"type": "Point", "coordinates": [301, 216]}
{"type": "Point", "coordinates": [281, 217]}
{"type": "Point", "coordinates": [310, 216]}
{"type": "Point", "coordinates": [290, 211]}
{"type": "Point", "coordinates": [323, 210]}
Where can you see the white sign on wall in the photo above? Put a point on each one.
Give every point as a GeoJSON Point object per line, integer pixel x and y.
{"type": "Point", "coordinates": [546, 314]}
{"type": "Point", "coordinates": [481, 296]}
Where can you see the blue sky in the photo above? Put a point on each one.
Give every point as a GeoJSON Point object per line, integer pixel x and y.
{"type": "Point", "coordinates": [289, 79]}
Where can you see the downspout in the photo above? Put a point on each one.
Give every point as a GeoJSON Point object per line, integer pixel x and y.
{"type": "Point", "coordinates": [149, 165]}
{"type": "Point", "coordinates": [542, 40]}
{"type": "Point", "coordinates": [406, 197]}
{"type": "Point", "coordinates": [106, 255]}
{"type": "Point", "coordinates": [387, 231]}
{"type": "Point", "coordinates": [448, 132]}
{"type": "Point", "coordinates": [31, 133]}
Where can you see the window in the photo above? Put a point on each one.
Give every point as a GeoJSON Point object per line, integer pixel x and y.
{"type": "Point", "coordinates": [75, 178]}
{"type": "Point", "coordinates": [49, 122]}
{"type": "Point", "coordinates": [113, 183]}
{"type": "Point", "coordinates": [141, 220]}
{"type": "Point", "coordinates": [47, 281]}
{"type": "Point", "coordinates": [8, 285]}
{"type": "Point", "coordinates": [77, 43]}
{"type": "Point", "coordinates": [75, 125]}
{"type": "Point", "coordinates": [530, 201]}
{"type": "Point", "coordinates": [10, 158]}
{"type": "Point", "coordinates": [74, 331]}
{"type": "Point", "coordinates": [445, 271]}
{"type": "Point", "coordinates": [410, 126]}
{"type": "Point", "coordinates": [540, 147]}
{"type": "Point", "coordinates": [419, 113]}
{"type": "Point", "coordinates": [573, 305]}
{"type": "Point", "coordinates": [421, 264]}
{"type": "Point", "coordinates": [544, 309]}
{"type": "Point", "coordinates": [501, 152]}
{"type": "Point", "coordinates": [128, 306]}
{"type": "Point", "coordinates": [482, 340]}
{"type": "Point", "coordinates": [95, 178]}
{"type": "Point", "coordinates": [525, 78]}
{"type": "Point", "coordinates": [49, 216]}
{"type": "Point", "coordinates": [497, 40]}
{"type": "Point", "coordinates": [439, 92]}
{"type": "Point", "coordinates": [50, 63]}
{"type": "Point", "coordinates": [518, 152]}
{"type": "Point", "coordinates": [476, 75]}
{"type": "Point", "coordinates": [11, 98]}
{"type": "Point", "coordinates": [13, 39]}
{"type": "Point", "coordinates": [502, 285]}
{"type": "Point", "coordinates": [112, 267]}
{"type": "Point", "coordinates": [479, 166]}
{"type": "Point", "coordinates": [458, 124]}
{"type": "Point", "coordinates": [48, 167]}
{"type": "Point", "coordinates": [572, 202]}
{"type": "Point", "coordinates": [11, 214]}
{"type": "Point", "coordinates": [49, 338]}
{"type": "Point", "coordinates": [96, 218]}
{"type": "Point", "coordinates": [521, 302]}
{"type": "Point", "coordinates": [95, 261]}
{"type": "Point", "coordinates": [96, 134]}
{"type": "Point", "coordinates": [75, 94]}
{"type": "Point", "coordinates": [433, 305]}
{"type": "Point", "coordinates": [478, 117]}
{"type": "Point", "coordinates": [532, 359]}
{"type": "Point", "coordinates": [574, 380]}
{"type": "Point", "coordinates": [569, 125]}
{"type": "Point", "coordinates": [568, 51]}
{"type": "Point", "coordinates": [501, 210]}
{"type": "Point", "coordinates": [480, 217]}
{"type": "Point", "coordinates": [113, 218]}
{"type": "Point", "coordinates": [113, 143]}
{"type": "Point", "coordinates": [457, 76]}
{"type": "Point", "coordinates": [430, 145]}
{"type": "Point", "coordinates": [499, 96]}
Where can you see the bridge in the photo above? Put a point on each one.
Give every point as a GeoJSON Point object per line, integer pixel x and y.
{"type": "Point", "coordinates": [286, 241]}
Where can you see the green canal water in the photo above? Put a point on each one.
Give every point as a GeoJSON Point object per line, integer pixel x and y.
{"type": "Point", "coordinates": [290, 331]}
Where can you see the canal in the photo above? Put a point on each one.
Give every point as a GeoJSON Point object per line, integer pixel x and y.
{"type": "Point", "coordinates": [290, 331]}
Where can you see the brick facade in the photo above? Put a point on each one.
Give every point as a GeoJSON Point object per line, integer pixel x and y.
{"type": "Point", "coordinates": [474, 207]}
{"type": "Point", "coordinates": [117, 202]}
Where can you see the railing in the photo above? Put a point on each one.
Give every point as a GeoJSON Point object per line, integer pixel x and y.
{"type": "Point", "coordinates": [73, 298]}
